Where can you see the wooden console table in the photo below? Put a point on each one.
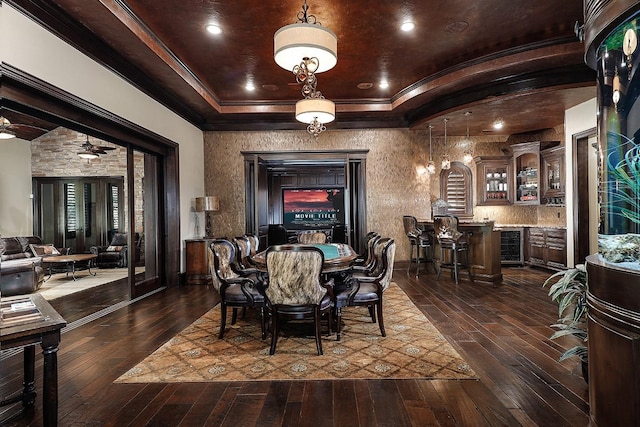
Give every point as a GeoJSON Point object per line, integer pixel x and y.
{"type": "Point", "coordinates": [27, 321]}
{"type": "Point", "coordinates": [198, 271]}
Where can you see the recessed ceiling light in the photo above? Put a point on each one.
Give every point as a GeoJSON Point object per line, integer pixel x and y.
{"type": "Point", "coordinates": [456, 27]}
{"type": "Point", "coordinates": [250, 86]}
{"type": "Point", "coordinates": [384, 84]}
{"type": "Point", "coordinates": [498, 124]}
{"type": "Point", "coordinates": [214, 28]}
{"type": "Point", "coordinates": [365, 85]}
{"type": "Point", "coordinates": [407, 26]}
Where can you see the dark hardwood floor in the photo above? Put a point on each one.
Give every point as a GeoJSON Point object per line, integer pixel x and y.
{"type": "Point", "coordinates": [501, 331]}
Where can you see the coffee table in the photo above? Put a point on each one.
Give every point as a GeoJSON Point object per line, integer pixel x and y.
{"type": "Point", "coordinates": [70, 263]}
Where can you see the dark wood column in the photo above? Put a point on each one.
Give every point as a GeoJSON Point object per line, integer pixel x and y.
{"type": "Point", "coordinates": [613, 302]}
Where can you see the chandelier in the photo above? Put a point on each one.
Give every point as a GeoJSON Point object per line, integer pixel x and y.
{"type": "Point", "coordinates": [431, 166]}
{"type": "Point", "coordinates": [446, 162]}
{"type": "Point", "coordinates": [467, 156]}
{"type": "Point", "coordinates": [306, 48]}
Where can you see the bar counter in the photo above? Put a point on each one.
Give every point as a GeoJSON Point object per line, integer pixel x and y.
{"type": "Point", "coordinates": [484, 249]}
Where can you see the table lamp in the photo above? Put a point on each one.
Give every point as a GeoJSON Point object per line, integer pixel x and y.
{"type": "Point", "coordinates": [207, 204]}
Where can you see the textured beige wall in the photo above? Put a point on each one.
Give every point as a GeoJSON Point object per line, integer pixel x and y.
{"type": "Point", "coordinates": [394, 186]}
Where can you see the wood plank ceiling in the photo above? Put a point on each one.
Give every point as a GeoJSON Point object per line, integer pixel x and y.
{"type": "Point", "coordinates": [511, 59]}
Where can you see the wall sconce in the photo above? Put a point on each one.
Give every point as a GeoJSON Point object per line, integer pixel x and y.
{"type": "Point", "coordinates": [207, 205]}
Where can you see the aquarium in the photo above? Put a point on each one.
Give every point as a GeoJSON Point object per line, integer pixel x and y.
{"type": "Point", "coordinates": [619, 154]}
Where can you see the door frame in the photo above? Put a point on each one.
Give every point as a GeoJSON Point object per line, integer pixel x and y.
{"type": "Point", "coordinates": [580, 179]}
{"type": "Point", "coordinates": [26, 94]}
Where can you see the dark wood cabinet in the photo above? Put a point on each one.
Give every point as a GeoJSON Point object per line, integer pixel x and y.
{"type": "Point", "coordinates": [526, 165]}
{"type": "Point", "coordinates": [198, 271]}
{"type": "Point", "coordinates": [552, 178]}
{"type": "Point", "coordinates": [495, 182]}
{"type": "Point", "coordinates": [546, 247]}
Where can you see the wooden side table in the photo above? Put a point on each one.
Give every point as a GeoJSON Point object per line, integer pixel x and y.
{"type": "Point", "coordinates": [198, 271]}
{"type": "Point", "coordinates": [27, 321]}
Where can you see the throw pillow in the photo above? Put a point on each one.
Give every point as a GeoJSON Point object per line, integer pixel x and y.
{"type": "Point", "coordinates": [44, 250]}
{"type": "Point", "coordinates": [114, 248]}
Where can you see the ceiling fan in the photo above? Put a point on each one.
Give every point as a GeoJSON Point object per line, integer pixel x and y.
{"type": "Point", "coordinates": [90, 151]}
{"type": "Point", "coordinates": [8, 130]}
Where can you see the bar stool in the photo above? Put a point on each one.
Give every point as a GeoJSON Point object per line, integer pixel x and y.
{"type": "Point", "coordinates": [454, 243]}
{"type": "Point", "coordinates": [420, 241]}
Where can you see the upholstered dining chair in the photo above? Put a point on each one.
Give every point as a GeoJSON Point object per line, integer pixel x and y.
{"type": "Point", "coordinates": [244, 265]}
{"type": "Point", "coordinates": [254, 241]}
{"type": "Point", "coordinates": [367, 290]}
{"type": "Point", "coordinates": [367, 262]}
{"type": "Point", "coordinates": [311, 237]}
{"type": "Point", "coordinates": [418, 241]}
{"type": "Point", "coordinates": [454, 246]}
{"type": "Point", "coordinates": [235, 291]}
{"type": "Point", "coordinates": [296, 289]}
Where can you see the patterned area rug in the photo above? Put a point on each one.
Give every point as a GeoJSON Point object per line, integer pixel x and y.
{"type": "Point", "coordinates": [413, 348]}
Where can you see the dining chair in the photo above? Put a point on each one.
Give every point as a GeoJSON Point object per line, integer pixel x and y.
{"type": "Point", "coordinates": [367, 263]}
{"type": "Point", "coordinates": [419, 241]}
{"type": "Point", "coordinates": [339, 233]}
{"type": "Point", "coordinates": [367, 290]}
{"type": "Point", "coordinates": [244, 265]}
{"type": "Point", "coordinates": [235, 291]}
{"type": "Point", "coordinates": [311, 237]}
{"type": "Point", "coordinates": [454, 245]}
{"type": "Point", "coordinates": [254, 241]}
{"type": "Point", "coordinates": [277, 235]}
{"type": "Point", "coordinates": [296, 289]}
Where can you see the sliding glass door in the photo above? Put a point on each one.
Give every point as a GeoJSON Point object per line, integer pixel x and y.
{"type": "Point", "coordinates": [145, 217]}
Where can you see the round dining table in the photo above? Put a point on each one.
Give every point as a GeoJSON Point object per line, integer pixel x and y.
{"type": "Point", "coordinates": [337, 257]}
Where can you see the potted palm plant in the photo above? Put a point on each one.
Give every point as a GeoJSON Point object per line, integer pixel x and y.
{"type": "Point", "coordinates": [568, 289]}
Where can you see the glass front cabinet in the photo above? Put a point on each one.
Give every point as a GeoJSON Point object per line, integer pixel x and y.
{"type": "Point", "coordinates": [553, 175]}
{"type": "Point", "coordinates": [526, 164]}
{"type": "Point", "coordinates": [494, 180]}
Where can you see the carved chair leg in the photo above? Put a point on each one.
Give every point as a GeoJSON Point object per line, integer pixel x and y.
{"type": "Point", "coordinates": [223, 319]}
{"type": "Point", "coordinates": [262, 323]}
{"type": "Point", "coordinates": [274, 331]}
{"type": "Point", "coordinates": [380, 318]}
{"type": "Point", "coordinates": [455, 264]}
{"type": "Point", "coordinates": [316, 321]}
{"type": "Point", "coordinates": [372, 313]}
{"type": "Point", "coordinates": [234, 315]}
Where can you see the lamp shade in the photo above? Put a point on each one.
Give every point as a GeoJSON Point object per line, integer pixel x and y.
{"type": "Point", "coordinates": [308, 109]}
{"type": "Point", "coordinates": [294, 42]}
{"type": "Point", "coordinates": [5, 134]}
{"type": "Point", "coordinates": [207, 204]}
{"type": "Point", "coordinates": [87, 154]}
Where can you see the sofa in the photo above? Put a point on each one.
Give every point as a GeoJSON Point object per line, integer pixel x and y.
{"type": "Point", "coordinates": [21, 271]}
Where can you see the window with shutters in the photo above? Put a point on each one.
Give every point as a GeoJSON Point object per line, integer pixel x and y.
{"type": "Point", "coordinates": [70, 211]}
{"type": "Point", "coordinates": [455, 188]}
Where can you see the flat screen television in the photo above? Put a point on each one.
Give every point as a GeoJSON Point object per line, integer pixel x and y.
{"type": "Point", "coordinates": [312, 207]}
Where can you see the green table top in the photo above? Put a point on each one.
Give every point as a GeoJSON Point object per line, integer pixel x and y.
{"type": "Point", "coordinates": [329, 251]}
